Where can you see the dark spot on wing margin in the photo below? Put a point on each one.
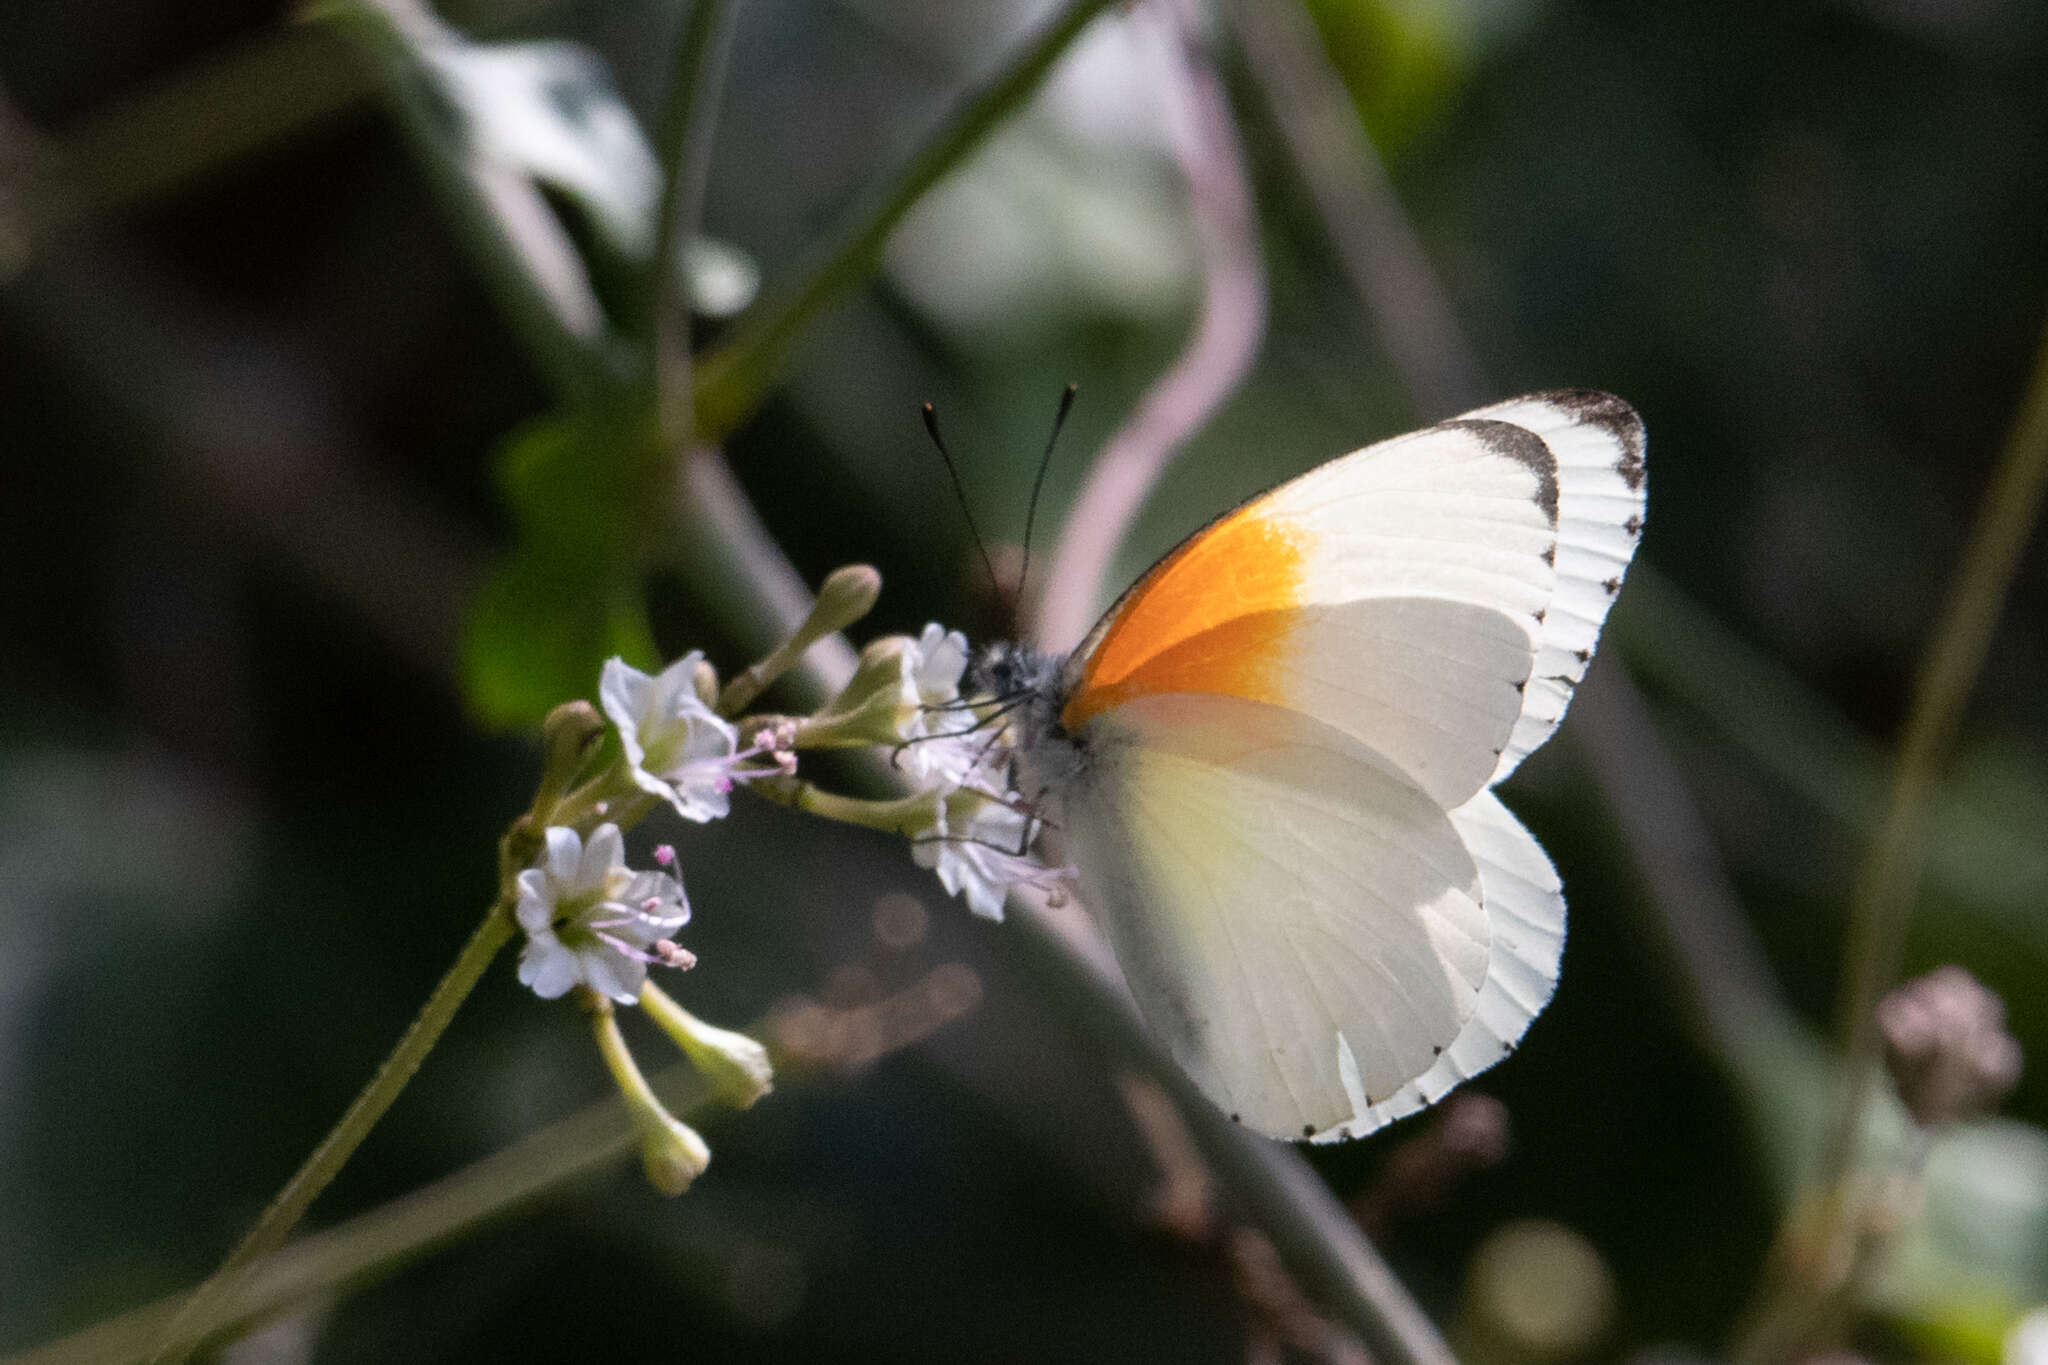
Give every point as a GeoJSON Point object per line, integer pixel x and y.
{"type": "Point", "coordinates": [1522, 445]}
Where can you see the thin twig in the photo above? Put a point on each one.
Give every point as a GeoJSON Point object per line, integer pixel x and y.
{"type": "Point", "coordinates": [1377, 247]}
{"type": "Point", "coordinates": [1725, 983]}
{"type": "Point", "coordinates": [732, 379]}
{"type": "Point", "coordinates": [1947, 675]}
{"type": "Point", "coordinates": [1226, 337]}
{"type": "Point", "coordinates": [180, 130]}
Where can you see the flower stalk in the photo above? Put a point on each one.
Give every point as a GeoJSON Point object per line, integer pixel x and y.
{"type": "Point", "coordinates": [671, 1152]}
{"type": "Point", "coordinates": [175, 1343]}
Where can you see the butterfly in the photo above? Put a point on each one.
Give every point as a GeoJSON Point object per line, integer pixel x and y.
{"type": "Point", "coordinates": [1272, 762]}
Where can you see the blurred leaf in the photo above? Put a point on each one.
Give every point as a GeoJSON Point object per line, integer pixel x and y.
{"type": "Point", "coordinates": [549, 114]}
{"type": "Point", "coordinates": [584, 496]}
{"type": "Point", "coordinates": [1977, 1255]}
{"type": "Point", "coordinates": [1974, 1254]}
{"type": "Point", "coordinates": [1403, 60]}
{"type": "Point", "coordinates": [551, 109]}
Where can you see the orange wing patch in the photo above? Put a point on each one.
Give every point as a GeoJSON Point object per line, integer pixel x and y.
{"type": "Point", "coordinates": [1211, 617]}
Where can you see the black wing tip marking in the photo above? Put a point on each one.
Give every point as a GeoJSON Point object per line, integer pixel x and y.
{"type": "Point", "coordinates": [1308, 1130]}
{"type": "Point", "coordinates": [1522, 445]}
{"type": "Point", "coordinates": [1634, 525]}
{"type": "Point", "coordinates": [1612, 415]}
{"type": "Point", "coordinates": [1435, 1051]}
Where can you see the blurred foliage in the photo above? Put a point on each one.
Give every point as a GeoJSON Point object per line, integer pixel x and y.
{"type": "Point", "coordinates": [270, 442]}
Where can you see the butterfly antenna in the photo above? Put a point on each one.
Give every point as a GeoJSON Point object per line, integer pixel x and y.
{"type": "Point", "coordinates": [931, 425]}
{"type": "Point", "coordinates": [1044, 463]}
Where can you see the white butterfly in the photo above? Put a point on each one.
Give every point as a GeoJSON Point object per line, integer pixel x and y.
{"type": "Point", "coordinates": [1272, 761]}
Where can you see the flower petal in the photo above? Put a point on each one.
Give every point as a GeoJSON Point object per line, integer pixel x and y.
{"type": "Point", "coordinates": [610, 972]}
{"type": "Point", "coordinates": [605, 852]}
{"type": "Point", "coordinates": [625, 693]}
{"type": "Point", "coordinates": [564, 855]}
{"type": "Point", "coordinates": [549, 968]}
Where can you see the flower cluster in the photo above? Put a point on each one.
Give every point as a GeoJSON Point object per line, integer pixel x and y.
{"type": "Point", "coordinates": [594, 925]}
{"type": "Point", "coordinates": [979, 836]}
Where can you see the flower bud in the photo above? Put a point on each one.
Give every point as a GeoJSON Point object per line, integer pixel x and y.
{"type": "Point", "coordinates": [875, 704]}
{"type": "Point", "coordinates": [568, 736]}
{"type": "Point", "coordinates": [735, 1064]}
{"type": "Point", "coordinates": [844, 597]}
{"type": "Point", "coordinates": [672, 1153]}
{"type": "Point", "coordinates": [1946, 1046]}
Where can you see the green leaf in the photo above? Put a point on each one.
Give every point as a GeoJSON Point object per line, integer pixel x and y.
{"type": "Point", "coordinates": [585, 495]}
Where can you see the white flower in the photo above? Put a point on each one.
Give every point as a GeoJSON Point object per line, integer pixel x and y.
{"type": "Point", "coordinates": [935, 664]}
{"type": "Point", "coordinates": [940, 746]}
{"type": "Point", "coordinates": [590, 919]}
{"type": "Point", "coordinates": [986, 855]}
{"type": "Point", "coordinates": [679, 748]}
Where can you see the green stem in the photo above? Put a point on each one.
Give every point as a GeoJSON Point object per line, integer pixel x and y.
{"type": "Point", "coordinates": [1811, 1276]}
{"type": "Point", "coordinates": [905, 815]}
{"type": "Point", "coordinates": [1948, 673]}
{"type": "Point", "coordinates": [732, 379]}
{"type": "Point", "coordinates": [195, 123]}
{"type": "Point", "coordinates": [184, 1330]}
{"type": "Point", "coordinates": [682, 148]}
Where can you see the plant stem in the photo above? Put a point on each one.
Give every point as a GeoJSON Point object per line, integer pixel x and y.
{"type": "Point", "coordinates": [193, 124]}
{"type": "Point", "coordinates": [183, 1332]}
{"type": "Point", "coordinates": [682, 148]}
{"type": "Point", "coordinates": [732, 379]}
{"type": "Point", "coordinates": [1823, 1241]}
{"type": "Point", "coordinates": [378, 1240]}
{"type": "Point", "coordinates": [904, 815]}
{"type": "Point", "coordinates": [1948, 673]}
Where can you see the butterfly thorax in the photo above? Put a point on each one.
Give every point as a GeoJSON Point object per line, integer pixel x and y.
{"type": "Point", "coordinates": [1030, 686]}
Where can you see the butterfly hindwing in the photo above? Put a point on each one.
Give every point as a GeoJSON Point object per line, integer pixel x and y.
{"type": "Point", "coordinates": [1525, 918]}
{"type": "Point", "coordinates": [1300, 924]}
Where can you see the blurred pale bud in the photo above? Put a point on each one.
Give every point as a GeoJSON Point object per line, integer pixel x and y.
{"type": "Point", "coordinates": [704, 678]}
{"type": "Point", "coordinates": [845, 597]}
{"type": "Point", "coordinates": [2027, 1341]}
{"type": "Point", "coordinates": [1536, 1293]}
{"type": "Point", "coordinates": [1946, 1046]}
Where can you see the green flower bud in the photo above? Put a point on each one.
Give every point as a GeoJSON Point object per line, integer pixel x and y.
{"type": "Point", "coordinates": [736, 1065]}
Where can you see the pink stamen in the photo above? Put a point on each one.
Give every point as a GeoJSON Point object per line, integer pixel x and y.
{"type": "Point", "coordinates": [665, 854]}
{"type": "Point", "coordinates": [637, 954]}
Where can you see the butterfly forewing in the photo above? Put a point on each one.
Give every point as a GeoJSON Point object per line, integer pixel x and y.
{"type": "Point", "coordinates": [1395, 594]}
{"type": "Point", "coordinates": [1597, 440]}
